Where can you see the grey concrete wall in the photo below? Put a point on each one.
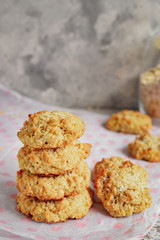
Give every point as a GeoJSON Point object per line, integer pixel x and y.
{"type": "Point", "coordinates": [75, 52]}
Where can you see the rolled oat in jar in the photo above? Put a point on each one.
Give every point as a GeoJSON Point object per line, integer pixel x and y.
{"type": "Point", "coordinates": [150, 91]}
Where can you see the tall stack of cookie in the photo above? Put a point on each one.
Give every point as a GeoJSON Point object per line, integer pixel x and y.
{"type": "Point", "coordinates": [54, 180]}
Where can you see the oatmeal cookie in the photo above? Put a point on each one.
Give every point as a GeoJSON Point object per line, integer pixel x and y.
{"type": "Point", "coordinates": [122, 187]}
{"type": "Point", "coordinates": [54, 160]}
{"type": "Point", "coordinates": [55, 187]}
{"type": "Point", "coordinates": [146, 147]}
{"type": "Point", "coordinates": [56, 211]}
{"type": "Point", "coordinates": [51, 129]}
{"type": "Point", "coordinates": [128, 121]}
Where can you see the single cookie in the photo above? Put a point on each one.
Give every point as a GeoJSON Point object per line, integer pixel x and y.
{"type": "Point", "coordinates": [122, 187]}
{"type": "Point", "coordinates": [56, 187]}
{"type": "Point", "coordinates": [54, 160]}
{"type": "Point", "coordinates": [146, 147]}
{"type": "Point", "coordinates": [128, 121]}
{"type": "Point", "coordinates": [56, 211]}
{"type": "Point", "coordinates": [51, 129]}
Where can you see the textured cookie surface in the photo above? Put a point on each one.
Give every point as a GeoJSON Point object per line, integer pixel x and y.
{"type": "Point", "coordinates": [122, 187]}
{"type": "Point", "coordinates": [51, 129]}
{"type": "Point", "coordinates": [146, 147]}
{"type": "Point", "coordinates": [53, 161]}
{"type": "Point", "coordinates": [128, 121]}
{"type": "Point", "coordinates": [56, 187]}
{"type": "Point", "coordinates": [113, 162]}
{"type": "Point", "coordinates": [56, 211]}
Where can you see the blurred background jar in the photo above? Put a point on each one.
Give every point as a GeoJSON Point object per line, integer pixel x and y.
{"type": "Point", "coordinates": [149, 83]}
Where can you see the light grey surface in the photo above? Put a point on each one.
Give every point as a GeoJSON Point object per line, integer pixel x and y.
{"type": "Point", "coordinates": [75, 52]}
{"type": "Point", "coordinates": [154, 233]}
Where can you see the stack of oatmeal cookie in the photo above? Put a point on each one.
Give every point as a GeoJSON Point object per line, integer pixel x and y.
{"type": "Point", "coordinates": [54, 180]}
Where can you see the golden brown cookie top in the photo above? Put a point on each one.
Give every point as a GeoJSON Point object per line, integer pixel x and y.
{"type": "Point", "coordinates": [51, 129]}
{"type": "Point", "coordinates": [115, 163]}
{"type": "Point", "coordinates": [49, 161]}
{"type": "Point", "coordinates": [121, 186]}
{"type": "Point", "coordinates": [146, 147]}
{"type": "Point", "coordinates": [128, 121]}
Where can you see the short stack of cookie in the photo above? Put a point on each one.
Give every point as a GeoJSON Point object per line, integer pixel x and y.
{"type": "Point", "coordinates": [54, 181]}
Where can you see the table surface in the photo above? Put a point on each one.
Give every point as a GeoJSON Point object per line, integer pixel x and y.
{"type": "Point", "coordinates": [154, 233]}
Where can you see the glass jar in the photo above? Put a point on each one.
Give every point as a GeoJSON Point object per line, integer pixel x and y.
{"type": "Point", "coordinates": [149, 83]}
